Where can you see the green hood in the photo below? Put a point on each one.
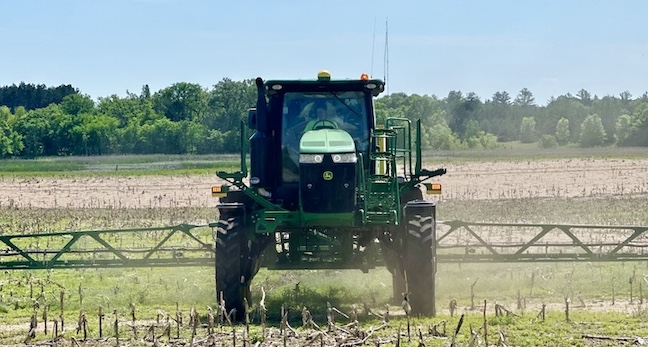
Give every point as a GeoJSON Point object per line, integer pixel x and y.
{"type": "Point", "coordinates": [326, 141]}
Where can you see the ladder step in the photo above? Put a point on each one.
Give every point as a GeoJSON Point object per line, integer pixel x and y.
{"type": "Point", "coordinates": [380, 217]}
{"type": "Point", "coordinates": [382, 156]}
{"type": "Point", "coordinates": [384, 132]}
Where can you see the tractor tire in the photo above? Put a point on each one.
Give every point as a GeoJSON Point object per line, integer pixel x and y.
{"type": "Point", "coordinates": [419, 262]}
{"type": "Point", "coordinates": [391, 254]}
{"type": "Point", "coordinates": [237, 261]}
{"type": "Point", "coordinates": [394, 266]}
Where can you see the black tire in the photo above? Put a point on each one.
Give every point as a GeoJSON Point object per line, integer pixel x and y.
{"type": "Point", "coordinates": [392, 248]}
{"type": "Point", "coordinates": [237, 261]}
{"type": "Point", "coordinates": [419, 263]}
{"type": "Point", "coordinates": [395, 267]}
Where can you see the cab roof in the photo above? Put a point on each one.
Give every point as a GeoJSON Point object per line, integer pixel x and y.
{"type": "Point", "coordinates": [375, 86]}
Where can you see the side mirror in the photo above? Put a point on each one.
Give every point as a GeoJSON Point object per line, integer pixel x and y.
{"type": "Point", "coordinates": [252, 118]}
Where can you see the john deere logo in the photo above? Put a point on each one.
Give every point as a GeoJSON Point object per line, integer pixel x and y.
{"type": "Point", "coordinates": [327, 175]}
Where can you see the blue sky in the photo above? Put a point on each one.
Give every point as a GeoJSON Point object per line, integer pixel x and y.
{"type": "Point", "coordinates": [551, 47]}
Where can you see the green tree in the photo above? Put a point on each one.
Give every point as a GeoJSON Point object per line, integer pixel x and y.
{"type": "Point", "coordinates": [160, 136]}
{"type": "Point", "coordinates": [488, 141]}
{"type": "Point", "coordinates": [548, 141]}
{"type": "Point", "coordinates": [528, 130]}
{"type": "Point", "coordinates": [609, 108]}
{"type": "Point", "coordinates": [472, 129]}
{"type": "Point", "coordinates": [585, 97]}
{"type": "Point", "coordinates": [562, 107]}
{"type": "Point", "coordinates": [428, 109]}
{"type": "Point", "coordinates": [128, 139]}
{"type": "Point", "coordinates": [97, 134]}
{"type": "Point", "coordinates": [181, 101]}
{"type": "Point", "coordinates": [440, 137]}
{"type": "Point", "coordinates": [475, 137]}
{"type": "Point", "coordinates": [501, 98]}
{"type": "Point", "coordinates": [63, 141]}
{"type": "Point", "coordinates": [193, 138]}
{"type": "Point", "coordinates": [10, 141]}
{"type": "Point", "coordinates": [146, 92]}
{"type": "Point", "coordinates": [639, 129]}
{"type": "Point", "coordinates": [625, 96]}
{"type": "Point", "coordinates": [640, 115]}
{"type": "Point", "coordinates": [131, 109]}
{"type": "Point", "coordinates": [75, 104]}
{"type": "Point", "coordinates": [562, 131]}
{"type": "Point", "coordinates": [32, 96]}
{"type": "Point", "coordinates": [525, 98]}
{"type": "Point", "coordinates": [228, 103]}
{"type": "Point", "coordinates": [214, 143]}
{"type": "Point", "coordinates": [461, 110]}
{"type": "Point", "coordinates": [592, 132]}
{"type": "Point", "coordinates": [391, 105]}
{"type": "Point", "coordinates": [499, 117]}
{"type": "Point", "coordinates": [36, 130]}
{"type": "Point", "coordinates": [624, 129]}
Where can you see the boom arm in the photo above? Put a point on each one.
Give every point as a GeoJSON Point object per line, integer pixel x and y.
{"type": "Point", "coordinates": [179, 245]}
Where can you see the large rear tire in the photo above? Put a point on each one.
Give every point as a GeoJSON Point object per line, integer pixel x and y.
{"type": "Point", "coordinates": [392, 249]}
{"type": "Point", "coordinates": [237, 261]}
{"type": "Point", "coordinates": [419, 262]}
{"type": "Point", "coordinates": [395, 267]}
{"type": "Point", "coordinates": [409, 254]}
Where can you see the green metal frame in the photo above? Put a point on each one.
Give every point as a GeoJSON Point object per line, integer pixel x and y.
{"type": "Point", "coordinates": [188, 245]}
{"type": "Point", "coordinates": [467, 242]}
{"type": "Point", "coordinates": [179, 245]}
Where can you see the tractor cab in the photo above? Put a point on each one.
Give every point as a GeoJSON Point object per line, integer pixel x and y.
{"type": "Point", "coordinates": [309, 136]}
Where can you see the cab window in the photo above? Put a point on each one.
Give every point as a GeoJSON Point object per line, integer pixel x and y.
{"type": "Point", "coordinates": [347, 109]}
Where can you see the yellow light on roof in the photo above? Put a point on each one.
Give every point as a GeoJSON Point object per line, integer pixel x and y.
{"type": "Point", "coordinates": [364, 77]}
{"type": "Point", "coordinates": [324, 75]}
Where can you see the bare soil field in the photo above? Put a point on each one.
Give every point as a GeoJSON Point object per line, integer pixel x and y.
{"type": "Point", "coordinates": [485, 181]}
{"type": "Point", "coordinates": [563, 178]}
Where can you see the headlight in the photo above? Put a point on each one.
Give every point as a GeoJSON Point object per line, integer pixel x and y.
{"type": "Point", "coordinates": [311, 158]}
{"type": "Point", "coordinates": [345, 158]}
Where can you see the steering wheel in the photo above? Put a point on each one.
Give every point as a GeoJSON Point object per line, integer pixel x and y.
{"type": "Point", "coordinates": [324, 124]}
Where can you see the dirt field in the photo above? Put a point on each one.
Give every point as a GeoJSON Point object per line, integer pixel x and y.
{"type": "Point", "coordinates": [470, 181]}
{"type": "Point", "coordinates": [473, 181]}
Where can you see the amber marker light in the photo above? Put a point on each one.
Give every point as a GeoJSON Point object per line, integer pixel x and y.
{"type": "Point", "coordinates": [364, 77]}
{"type": "Point", "coordinates": [219, 191]}
{"type": "Point", "coordinates": [433, 188]}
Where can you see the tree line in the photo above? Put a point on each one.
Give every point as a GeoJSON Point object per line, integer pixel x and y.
{"type": "Point", "coordinates": [464, 121]}
{"type": "Point", "coordinates": [186, 118]}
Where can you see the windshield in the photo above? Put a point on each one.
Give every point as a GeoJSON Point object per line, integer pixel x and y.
{"type": "Point", "coordinates": [309, 111]}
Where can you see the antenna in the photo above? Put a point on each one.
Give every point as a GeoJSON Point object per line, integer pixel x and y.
{"type": "Point", "coordinates": [386, 58]}
{"type": "Point", "coordinates": [373, 48]}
